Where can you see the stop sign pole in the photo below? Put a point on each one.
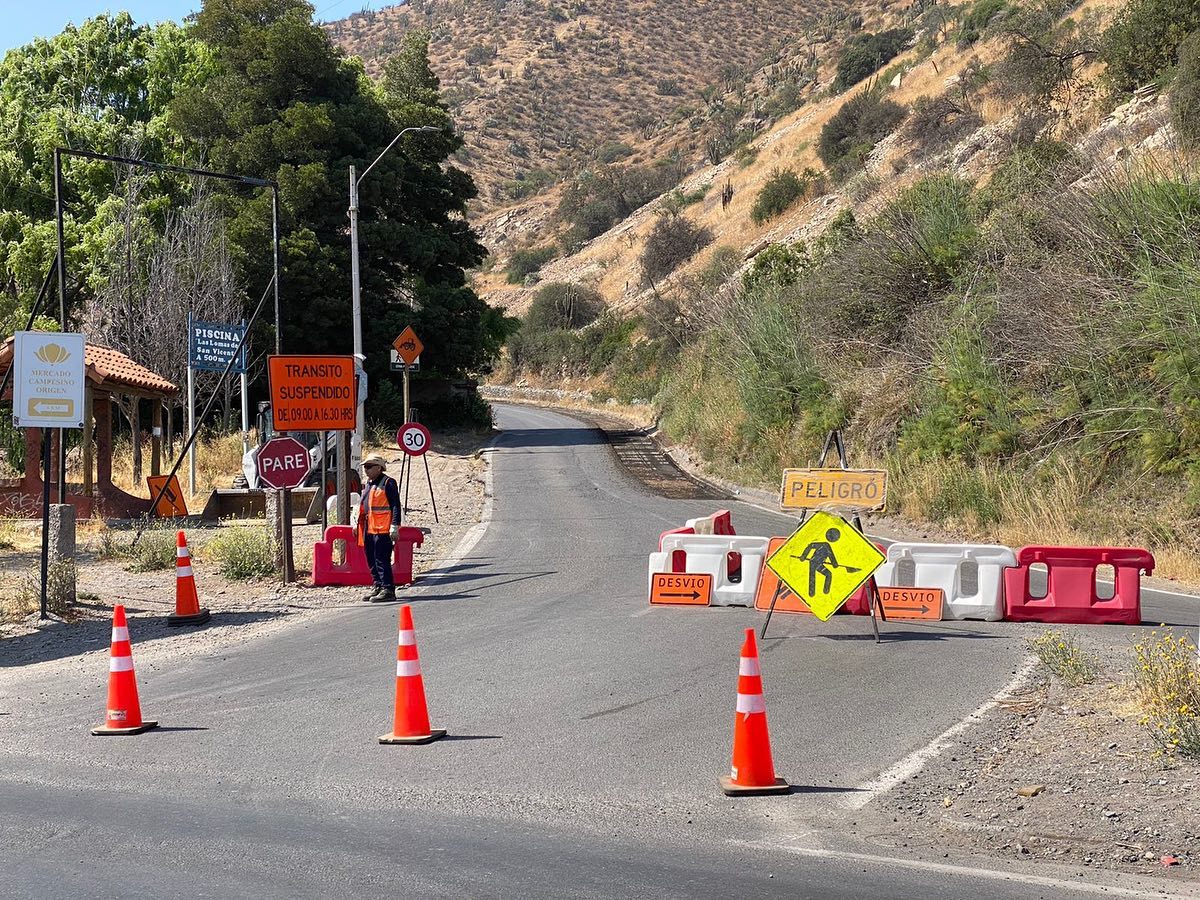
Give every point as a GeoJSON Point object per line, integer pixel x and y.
{"type": "Point", "coordinates": [282, 464]}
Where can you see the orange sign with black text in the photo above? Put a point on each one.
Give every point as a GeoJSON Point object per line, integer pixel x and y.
{"type": "Point", "coordinates": [171, 503]}
{"type": "Point", "coordinates": [912, 602]}
{"type": "Point", "coordinates": [312, 393]}
{"type": "Point", "coordinates": [408, 345]}
{"type": "Point", "coordinates": [681, 588]}
{"type": "Point", "coordinates": [770, 587]}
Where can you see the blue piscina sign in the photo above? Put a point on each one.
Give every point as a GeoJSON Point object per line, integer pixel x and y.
{"type": "Point", "coordinates": [213, 344]}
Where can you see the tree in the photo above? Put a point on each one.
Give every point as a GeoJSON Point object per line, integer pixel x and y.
{"type": "Point", "coordinates": [283, 103]}
{"type": "Point", "coordinates": [103, 86]}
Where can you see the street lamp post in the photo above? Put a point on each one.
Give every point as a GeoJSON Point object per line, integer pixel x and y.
{"type": "Point", "coordinates": [356, 295]}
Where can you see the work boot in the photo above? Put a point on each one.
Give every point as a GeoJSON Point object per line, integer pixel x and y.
{"type": "Point", "coordinates": [375, 591]}
{"type": "Point", "coordinates": [384, 594]}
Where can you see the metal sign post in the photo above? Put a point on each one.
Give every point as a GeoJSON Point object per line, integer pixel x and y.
{"type": "Point", "coordinates": [408, 346]}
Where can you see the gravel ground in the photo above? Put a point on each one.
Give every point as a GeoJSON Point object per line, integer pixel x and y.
{"type": "Point", "coordinates": [242, 610]}
{"type": "Point", "coordinates": [1103, 796]}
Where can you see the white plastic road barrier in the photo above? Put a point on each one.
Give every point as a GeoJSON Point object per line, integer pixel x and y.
{"type": "Point", "coordinates": [734, 561]}
{"type": "Point", "coordinates": [971, 575]}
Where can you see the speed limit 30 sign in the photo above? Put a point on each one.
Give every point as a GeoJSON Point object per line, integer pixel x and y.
{"type": "Point", "coordinates": [413, 438]}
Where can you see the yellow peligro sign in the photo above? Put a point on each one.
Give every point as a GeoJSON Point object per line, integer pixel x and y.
{"type": "Point", "coordinates": [831, 488]}
{"type": "Point", "coordinates": [824, 562]}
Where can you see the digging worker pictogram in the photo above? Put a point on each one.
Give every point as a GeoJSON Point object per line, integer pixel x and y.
{"type": "Point", "coordinates": [819, 556]}
{"type": "Point", "coordinates": [379, 526]}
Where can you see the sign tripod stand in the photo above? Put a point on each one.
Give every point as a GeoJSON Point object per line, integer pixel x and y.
{"type": "Point", "coordinates": [413, 438]}
{"type": "Point", "coordinates": [833, 440]}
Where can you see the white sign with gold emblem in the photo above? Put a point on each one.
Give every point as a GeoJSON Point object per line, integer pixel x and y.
{"type": "Point", "coordinates": [48, 380]}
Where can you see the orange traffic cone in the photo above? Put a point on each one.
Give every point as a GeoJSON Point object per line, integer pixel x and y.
{"type": "Point", "coordinates": [124, 713]}
{"type": "Point", "coordinates": [187, 602]}
{"type": "Point", "coordinates": [753, 771]}
{"type": "Point", "coordinates": [411, 725]}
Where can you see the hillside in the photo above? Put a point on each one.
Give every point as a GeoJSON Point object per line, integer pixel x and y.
{"type": "Point", "coordinates": [541, 88]}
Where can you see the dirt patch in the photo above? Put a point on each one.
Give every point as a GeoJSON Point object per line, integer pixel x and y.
{"type": "Point", "coordinates": [1057, 773]}
{"type": "Point", "coordinates": [241, 609]}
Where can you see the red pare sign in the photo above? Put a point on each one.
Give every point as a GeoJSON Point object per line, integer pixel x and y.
{"type": "Point", "coordinates": [283, 463]}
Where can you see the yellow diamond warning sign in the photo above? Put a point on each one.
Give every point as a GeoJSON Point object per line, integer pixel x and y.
{"type": "Point", "coordinates": [824, 562]}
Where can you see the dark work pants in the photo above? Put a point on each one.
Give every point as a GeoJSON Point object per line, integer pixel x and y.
{"type": "Point", "coordinates": [379, 559]}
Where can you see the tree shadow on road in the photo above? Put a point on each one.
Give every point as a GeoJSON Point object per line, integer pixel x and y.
{"type": "Point", "coordinates": [58, 639]}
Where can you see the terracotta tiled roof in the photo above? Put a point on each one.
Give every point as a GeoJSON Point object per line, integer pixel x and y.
{"type": "Point", "coordinates": [109, 369]}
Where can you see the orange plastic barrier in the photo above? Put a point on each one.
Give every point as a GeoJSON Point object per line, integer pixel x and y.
{"type": "Point", "coordinates": [123, 712]}
{"type": "Point", "coordinates": [1071, 596]}
{"type": "Point", "coordinates": [753, 770]}
{"type": "Point", "coordinates": [353, 571]}
{"type": "Point", "coordinates": [769, 585]}
{"type": "Point", "coordinates": [187, 600]}
{"type": "Point", "coordinates": [410, 724]}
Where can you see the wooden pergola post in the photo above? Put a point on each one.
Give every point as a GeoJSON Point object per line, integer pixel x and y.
{"type": "Point", "coordinates": [135, 427]}
{"type": "Point", "coordinates": [89, 485]}
{"type": "Point", "coordinates": [156, 442]}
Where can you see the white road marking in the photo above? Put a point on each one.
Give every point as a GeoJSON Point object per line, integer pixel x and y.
{"type": "Point", "coordinates": [473, 535]}
{"type": "Point", "coordinates": [914, 762]}
{"type": "Point", "coordinates": [970, 872]}
{"type": "Point", "coordinates": [642, 612]}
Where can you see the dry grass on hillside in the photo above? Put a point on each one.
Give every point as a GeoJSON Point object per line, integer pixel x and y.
{"type": "Point", "coordinates": [532, 82]}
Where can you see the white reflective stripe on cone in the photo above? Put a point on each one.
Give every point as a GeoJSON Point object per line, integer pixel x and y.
{"type": "Point", "coordinates": [751, 703]}
{"type": "Point", "coordinates": [183, 571]}
{"type": "Point", "coordinates": [406, 668]}
{"type": "Point", "coordinates": [408, 638]}
{"type": "Point", "coordinates": [120, 633]}
{"type": "Point", "coordinates": [181, 552]}
{"type": "Point", "coordinates": [120, 664]}
{"type": "Point", "coordinates": [748, 666]}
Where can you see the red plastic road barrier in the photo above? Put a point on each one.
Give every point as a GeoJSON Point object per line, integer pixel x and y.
{"type": "Point", "coordinates": [353, 572]}
{"type": "Point", "coordinates": [722, 522]}
{"type": "Point", "coordinates": [1071, 586]}
{"type": "Point", "coordinates": [684, 530]}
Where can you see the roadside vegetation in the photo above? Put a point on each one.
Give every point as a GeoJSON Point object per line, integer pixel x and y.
{"type": "Point", "coordinates": [1059, 652]}
{"type": "Point", "coordinates": [1017, 350]}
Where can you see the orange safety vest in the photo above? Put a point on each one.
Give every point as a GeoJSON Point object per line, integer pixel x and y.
{"type": "Point", "coordinates": [375, 513]}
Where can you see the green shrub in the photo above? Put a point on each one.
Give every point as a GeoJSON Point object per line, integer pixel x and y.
{"type": "Point", "coordinates": [1185, 93]}
{"type": "Point", "coordinates": [720, 266]}
{"type": "Point", "coordinates": [597, 200]}
{"type": "Point", "coordinates": [850, 135]}
{"type": "Point", "coordinates": [671, 242]}
{"type": "Point", "coordinates": [1045, 55]}
{"type": "Point", "coordinates": [242, 551]}
{"type": "Point", "coordinates": [779, 265]}
{"type": "Point", "coordinates": [526, 184]}
{"type": "Point", "coordinates": [982, 14]}
{"type": "Point", "coordinates": [525, 262]}
{"type": "Point", "coordinates": [155, 549]}
{"type": "Point", "coordinates": [612, 151]}
{"type": "Point", "coordinates": [1059, 653]}
{"type": "Point", "coordinates": [782, 189]}
{"type": "Point", "coordinates": [563, 306]}
{"type": "Point", "coordinates": [1144, 40]}
{"type": "Point", "coordinates": [866, 53]}
{"type": "Point", "coordinates": [939, 121]}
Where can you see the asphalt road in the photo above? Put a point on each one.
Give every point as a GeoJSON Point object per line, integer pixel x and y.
{"type": "Point", "coordinates": [587, 732]}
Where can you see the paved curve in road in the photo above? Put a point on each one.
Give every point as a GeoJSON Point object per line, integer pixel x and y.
{"type": "Point", "coordinates": [587, 731]}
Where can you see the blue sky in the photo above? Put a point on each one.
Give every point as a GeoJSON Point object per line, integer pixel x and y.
{"type": "Point", "coordinates": [23, 20]}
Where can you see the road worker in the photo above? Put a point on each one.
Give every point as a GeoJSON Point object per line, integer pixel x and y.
{"type": "Point", "coordinates": [379, 525]}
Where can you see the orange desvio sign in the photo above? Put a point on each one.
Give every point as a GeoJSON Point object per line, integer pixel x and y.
{"type": "Point", "coordinates": [676, 587]}
{"type": "Point", "coordinates": [827, 488]}
{"type": "Point", "coordinates": [912, 602]}
{"type": "Point", "coordinates": [312, 393]}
